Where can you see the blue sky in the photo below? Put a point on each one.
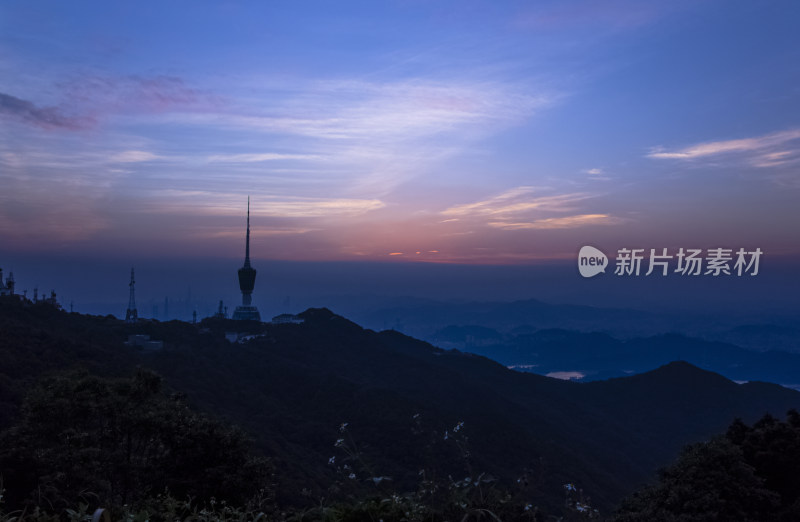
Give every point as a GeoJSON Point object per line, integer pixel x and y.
{"type": "Point", "coordinates": [471, 132]}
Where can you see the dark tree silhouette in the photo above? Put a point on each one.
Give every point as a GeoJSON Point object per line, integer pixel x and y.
{"type": "Point", "coordinates": [114, 442]}
{"type": "Point", "coordinates": [750, 473]}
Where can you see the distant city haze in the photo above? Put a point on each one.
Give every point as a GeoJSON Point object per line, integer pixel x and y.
{"type": "Point", "coordinates": [101, 286]}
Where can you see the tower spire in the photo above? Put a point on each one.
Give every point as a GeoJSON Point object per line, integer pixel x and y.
{"type": "Point", "coordinates": [247, 242]}
{"type": "Point", "coordinates": [131, 315]}
{"type": "Point", "coordinates": [247, 281]}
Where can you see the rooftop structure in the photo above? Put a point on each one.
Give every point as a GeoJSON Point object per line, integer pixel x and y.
{"type": "Point", "coordinates": [7, 287]}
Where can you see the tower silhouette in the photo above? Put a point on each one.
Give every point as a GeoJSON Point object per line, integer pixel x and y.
{"type": "Point", "coordinates": [131, 315]}
{"type": "Point", "coordinates": [247, 281]}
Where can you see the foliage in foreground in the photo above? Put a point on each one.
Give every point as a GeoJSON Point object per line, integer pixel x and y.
{"type": "Point", "coordinates": [464, 506]}
{"type": "Point", "coordinates": [161, 508]}
{"type": "Point", "coordinates": [750, 473]}
{"type": "Point", "coordinates": [84, 443]}
{"type": "Point", "coordinates": [121, 442]}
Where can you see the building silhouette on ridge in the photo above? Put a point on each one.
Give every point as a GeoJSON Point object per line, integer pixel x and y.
{"type": "Point", "coordinates": [7, 287]}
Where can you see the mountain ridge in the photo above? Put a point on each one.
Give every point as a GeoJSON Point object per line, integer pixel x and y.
{"type": "Point", "coordinates": [292, 385]}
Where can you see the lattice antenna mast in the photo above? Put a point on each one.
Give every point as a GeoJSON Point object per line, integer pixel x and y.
{"type": "Point", "coordinates": [131, 315]}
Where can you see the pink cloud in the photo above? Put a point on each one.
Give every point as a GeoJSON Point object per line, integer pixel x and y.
{"type": "Point", "coordinates": [770, 150]}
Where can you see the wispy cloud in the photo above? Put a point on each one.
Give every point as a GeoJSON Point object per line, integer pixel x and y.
{"type": "Point", "coordinates": [523, 208]}
{"type": "Point", "coordinates": [133, 156]}
{"type": "Point", "coordinates": [102, 96]}
{"type": "Point", "coordinates": [321, 207]}
{"type": "Point", "coordinates": [382, 133]}
{"type": "Point", "coordinates": [372, 136]}
{"type": "Point", "coordinates": [597, 174]}
{"type": "Point", "coordinates": [43, 117]}
{"type": "Point", "coordinates": [259, 157]}
{"type": "Point", "coordinates": [580, 220]}
{"type": "Point", "coordinates": [406, 110]}
{"type": "Point", "coordinates": [209, 233]}
{"type": "Point", "coordinates": [71, 159]}
{"type": "Point", "coordinates": [227, 204]}
{"type": "Point", "coordinates": [317, 155]}
{"type": "Point", "coordinates": [87, 101]}
{"type": "Point", "coordinates": [516, 200]}
{"type": "Point", "coordinates": [770, 150]}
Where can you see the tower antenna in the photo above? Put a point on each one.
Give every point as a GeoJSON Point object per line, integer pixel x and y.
{"type": "Point", "coordinates": [131, 315]}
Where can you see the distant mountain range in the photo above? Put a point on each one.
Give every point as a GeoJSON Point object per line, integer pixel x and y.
{"type": "Point", "coordinates": [595, 343]}
{"type": "Point", "coordinates": [293, 385]}
{"type": "Point", "coordinates": [424, 318]}
{"type": "Point", "coordinates": [600, 356]}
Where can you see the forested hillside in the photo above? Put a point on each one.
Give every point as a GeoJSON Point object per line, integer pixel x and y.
{"type": "Point", "coordinates": [326, 399]}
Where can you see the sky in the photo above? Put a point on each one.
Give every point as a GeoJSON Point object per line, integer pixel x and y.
{"type": "Point", "coordinates": [469, 132]}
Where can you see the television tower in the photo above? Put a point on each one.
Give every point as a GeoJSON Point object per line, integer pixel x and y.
{"type": "Point", "coordinates": [247, 281]}
{"type": "Point", "coordinates": [131, 315]}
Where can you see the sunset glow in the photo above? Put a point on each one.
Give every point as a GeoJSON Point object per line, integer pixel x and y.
{"type": "Point", "coordinates": [444, 133]}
